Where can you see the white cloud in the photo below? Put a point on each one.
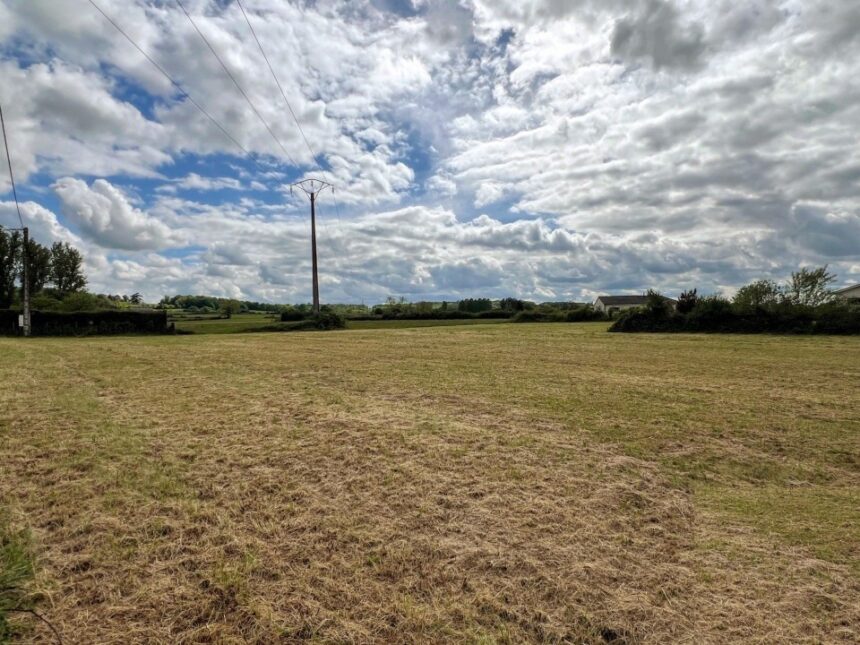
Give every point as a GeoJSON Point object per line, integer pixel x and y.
{"type": "Point", "coordinates": [105, 215]}
{"type": "Point", "coordinates": [614, 144]}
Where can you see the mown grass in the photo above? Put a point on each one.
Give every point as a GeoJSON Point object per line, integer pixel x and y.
{"type": "Point", "coordinates": [257, 322]}
{"type": "Point", "coordinates": [483, 483]}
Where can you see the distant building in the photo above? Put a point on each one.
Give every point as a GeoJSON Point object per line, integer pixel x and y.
{"type": "Point", "coordinates": [849, 293]}
{"type": "Point", "coordinates": [611, 305]}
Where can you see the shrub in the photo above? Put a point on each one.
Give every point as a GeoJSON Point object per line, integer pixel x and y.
{"type": "Point", "coordinates": [687, 301]}
{"type": "Point", "coordinates": [584, 314]}
{"type": "Point", "coordinates": [55, 323]}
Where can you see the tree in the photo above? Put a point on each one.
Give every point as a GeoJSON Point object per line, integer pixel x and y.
{"type": "Point", "coordinates": [67, 272]}
{"type": "Point", "coordinates": [810, 287]}
{"type": "Point", "coordinates": [10, 245]}
{"type": "Point", "coordinates": [511, 304]}
{"type": "Point", "coordinates": [760, 294]}
{"type": "Point", "coordinates": [687, 301]}
{"type": "Point", "coordinates": [136, 299]}
{"type": "Point", "coordinates": [656, 303]}
{"type": "Point", "coordinates": [39, 262]}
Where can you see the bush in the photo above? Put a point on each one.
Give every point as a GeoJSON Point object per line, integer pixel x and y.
{"type": "Point", "coordinates": [533, 316]}
{"type": "Point", "coordinates": [55, 323]}
{"type": "Point", "coordinates": [584, 314]}
{"type": "Point", "coordinates": [715, 314]}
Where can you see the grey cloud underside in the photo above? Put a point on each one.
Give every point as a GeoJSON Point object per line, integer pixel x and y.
{"type": "Point", "coordinates": [613, 144]}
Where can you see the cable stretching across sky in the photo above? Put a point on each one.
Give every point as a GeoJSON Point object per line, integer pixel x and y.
{"type": "Point", "coordinates": [235, 82]}
{"type": "Point", "coordinates": [286, 100]}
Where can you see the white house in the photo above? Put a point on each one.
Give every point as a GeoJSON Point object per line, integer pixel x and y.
{"type": "Point", "coordinates": [849, 293]}
{"type": "Point", "coordinates": [611, 305]}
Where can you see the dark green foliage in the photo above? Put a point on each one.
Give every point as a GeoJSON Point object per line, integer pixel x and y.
{"type": "Point", "coordinates": [326, 320]}
{"type": "Point", "coordinates": [715, 314]}
{"type": "Point", "coordinates": [66, 268]}
{"type": "Point", "coordinates": [54, 323]}
{"type": "Point", "coordinates": [10, 245]}
{"type": "Point", "coordinates": [657, 305]}
{"type": "Point", "coordinates": [761, 294]}
{"type": "Point", "coordinates": [511, 304]}
{"type": "Point", "coordinates": [585, 313]}
{"type": "Point", "coordinates": [39, 265]}
{"type": "Point", "coordinates": [475, 305]}
{"type": "Point", "coordinates": [687, 301]}
{"type": "Point", "coordinates": [582, 313]}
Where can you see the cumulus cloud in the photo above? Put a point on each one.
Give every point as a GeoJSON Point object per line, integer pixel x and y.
{"type": "Point", "coordinates": [545, 148]}
{"type": "Point", "coordinates": [104, 214]}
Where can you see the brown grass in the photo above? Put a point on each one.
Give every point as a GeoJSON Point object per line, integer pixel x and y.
{"type": "Point", "coordinates": [497, 484]}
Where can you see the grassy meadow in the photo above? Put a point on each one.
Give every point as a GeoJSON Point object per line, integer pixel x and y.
{"type": "Point", "coordinates": [483, 483]}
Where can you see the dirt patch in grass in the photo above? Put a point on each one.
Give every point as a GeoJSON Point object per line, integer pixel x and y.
{"type": "Point", "coordinates": [487, 485]}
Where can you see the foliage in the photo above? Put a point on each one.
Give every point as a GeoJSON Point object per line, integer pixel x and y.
{"type": "Point", "coordinates": [67, 268]}
{"type": "Point", "coordinates": [10, 244]}
{"type": "Point", "coordinates": [715, 314]}
{"type": "Point", "coordinates": [760, 294]}
{"type": "Point", "coordinates": [79, 323]}
{"type": "Point", "coordinates": [39, 266]}
{"type": "Point", "coordinates": [810, 287]}
{"type": "Point", "coordinates": [656, 304]}
{"type": "Point", "coordinates": [475, 305]}
{"type": "Point", "coordinates": [512, 304]}
{"type": "Point", "coordinates": [687, 301]}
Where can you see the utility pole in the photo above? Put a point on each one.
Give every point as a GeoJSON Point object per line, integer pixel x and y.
{"type": "Point", "coordinates": [25, 278]}
{"type": "Point", "coordinates": [25, 255]}
{"type": "Point", "coordinates": [312, 188]}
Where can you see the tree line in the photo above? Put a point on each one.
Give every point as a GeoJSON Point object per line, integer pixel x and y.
{"type": "Point", "coordinates": [804, 304]}
{"type": "Point", "coordinates": [59, 268]}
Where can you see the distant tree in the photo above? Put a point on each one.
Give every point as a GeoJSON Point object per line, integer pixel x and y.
{"type": "Point", "coordinates": [687, 301]}
{"type": "Point", "coordinates": [10, 246]}
{"type": "Point", "coordinates": [475, 305]}
{"type": "Point", "coordinates": [511, 304]}
{"type": "Point", "coordinates": [67, 268]}
{"type": "Point", "coordinates": [230, 307]}
{"type": "Point", "coordinates": [757, 295]}
{"type": "Point", "coordinates": [136, 299]}
{"type": "Point", "coordinates": [656, 304]}
{"type": "Point", "coordinates": [810, 287]}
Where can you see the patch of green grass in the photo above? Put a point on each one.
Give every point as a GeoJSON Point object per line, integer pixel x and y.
{"type": "Point", "coordinates": [16, 574]}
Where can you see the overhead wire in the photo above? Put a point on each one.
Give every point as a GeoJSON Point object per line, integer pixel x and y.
{"type": "Point", "coordinates": [9, 161]}
{"type": "Point", "coordinates": [286, 100]}
{"type": "Point", "coordinates": [236, 83]}
{"type": "Point", "coordinates": [173, 82]}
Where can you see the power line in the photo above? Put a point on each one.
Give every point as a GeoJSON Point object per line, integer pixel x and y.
{"type": "Point", "coordinates": [286, 100]}
{"type": "Point", "coordinates": [235, 82]}
{"type": "Point", "coordinates": [172, 81]}
{"type": "Point", "coordinates": [278, 83]}
{"type": "Point", "coordinates": [9, 161]}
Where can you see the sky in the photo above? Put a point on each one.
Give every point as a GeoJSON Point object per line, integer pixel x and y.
{"type": "Point", "coordinates": [543, 149]}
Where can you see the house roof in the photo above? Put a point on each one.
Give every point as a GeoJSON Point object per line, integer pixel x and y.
{"type": "Point", "coordinates": [610, 301]}
{"type": "Point", "coordinates": [847, 289]}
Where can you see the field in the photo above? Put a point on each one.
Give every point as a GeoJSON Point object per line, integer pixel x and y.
{"type": "Point", "coordinates": [481, 484]}
{"type": "Point", "coordinates": [250, 322]}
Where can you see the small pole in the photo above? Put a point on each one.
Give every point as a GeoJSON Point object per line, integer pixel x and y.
{"type": "Point", "coordinates": [314, 254]}
{"type": "Point", "coordinates": [25, 278]}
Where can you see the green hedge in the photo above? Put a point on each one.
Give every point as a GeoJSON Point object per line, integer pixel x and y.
{"type": "Point", "coordinates": [720, 318]}
{"type": "Point", "coordinates": [87, 323]}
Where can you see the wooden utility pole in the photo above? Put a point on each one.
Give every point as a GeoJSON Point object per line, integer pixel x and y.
{"type": "Point", "coordinates": [312, 188]}
{"type": "Point", "coordinates": [25, 254]}
{"type": "Point", "coordinates": [25, 278]}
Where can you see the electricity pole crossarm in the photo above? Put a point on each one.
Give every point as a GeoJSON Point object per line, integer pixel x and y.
{"type": "Point", "coordinates": [312, 188]}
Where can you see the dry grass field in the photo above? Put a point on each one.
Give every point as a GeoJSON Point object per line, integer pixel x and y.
{"type": "Point", "coordinates": [479, 484]}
